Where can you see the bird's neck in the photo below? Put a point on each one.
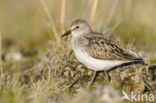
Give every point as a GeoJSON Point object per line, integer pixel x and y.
{"type": "Point", "coordinates": [78, 42]}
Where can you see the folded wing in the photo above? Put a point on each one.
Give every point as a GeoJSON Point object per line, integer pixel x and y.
{"type": "Point", "coordinates": [101, 47]}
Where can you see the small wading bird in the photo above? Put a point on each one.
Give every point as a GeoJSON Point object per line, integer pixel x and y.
{"type": "Point", "coordinates": [97, 51]}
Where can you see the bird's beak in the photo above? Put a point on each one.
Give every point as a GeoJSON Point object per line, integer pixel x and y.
{"type": "Point", "coordinates": [66, 34]}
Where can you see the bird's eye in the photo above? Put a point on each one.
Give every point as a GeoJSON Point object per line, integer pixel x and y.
{"type": "Point", "coordinates": [77, 26]}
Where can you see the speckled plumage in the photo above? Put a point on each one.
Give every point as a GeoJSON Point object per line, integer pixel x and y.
{"type": "Point", "coordinates": [96, 50]}
{"type": "Point", "coordinates": [101, 47]}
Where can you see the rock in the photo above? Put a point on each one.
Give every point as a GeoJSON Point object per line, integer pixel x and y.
{"type": "Point", "coordinates": [13, 56]}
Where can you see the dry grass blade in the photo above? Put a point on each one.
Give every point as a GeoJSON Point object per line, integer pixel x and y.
{"type": "Point", "coordinates": [51, 21]}
{"type": "Point", "coordinates": [86, 13]}
{"type": "Point", "coordinates": [62, 17]}
{"type": "Point", "coordinates": [112, 12]}
{"type": "Point", "coordinates": [1, 69]}
{"type": "Point", "coordinates": [109, 31]}
{"type": "Point", "coordinates": [94, 7]}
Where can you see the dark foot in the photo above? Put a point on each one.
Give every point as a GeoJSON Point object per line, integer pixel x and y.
{"type": "Point", "coordinates": [108, 77]}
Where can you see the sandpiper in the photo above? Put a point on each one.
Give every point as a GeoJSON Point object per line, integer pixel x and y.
{"type": "Point", "coordinates": [97, 51]}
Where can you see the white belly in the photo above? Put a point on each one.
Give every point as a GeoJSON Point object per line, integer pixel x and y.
{"type": "Point", "coordinates": [95, 64]}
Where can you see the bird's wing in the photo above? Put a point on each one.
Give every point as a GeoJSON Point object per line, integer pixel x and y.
{"type": "Point", "coordinates": [101, 47]}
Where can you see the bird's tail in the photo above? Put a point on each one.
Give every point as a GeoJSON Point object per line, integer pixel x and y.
{"type": "Point", "coordinates": [139, 61]}
{"type": "Point", "coordinates": [134, 62]}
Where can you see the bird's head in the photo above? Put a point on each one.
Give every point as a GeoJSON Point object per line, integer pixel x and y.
{"type": "Point", "coordinates": [78, 27]}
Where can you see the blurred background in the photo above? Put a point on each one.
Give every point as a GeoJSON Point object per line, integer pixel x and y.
{"type": "Point", "coordinates": [29, 25]}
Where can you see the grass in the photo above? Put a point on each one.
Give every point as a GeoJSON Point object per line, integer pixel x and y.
{"type": "Point", "coordinates": [1, 69]}
{"type": "Point", "coordinates": [46, 68]}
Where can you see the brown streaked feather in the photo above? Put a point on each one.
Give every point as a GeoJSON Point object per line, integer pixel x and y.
{"type": "Point", "coordinates": [100, 46]}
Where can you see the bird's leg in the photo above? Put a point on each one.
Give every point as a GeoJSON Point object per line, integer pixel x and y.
{"type": "Point", "coordinates": [93, 79]}
{"type": "Point", "coordinates": [107, 75]}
